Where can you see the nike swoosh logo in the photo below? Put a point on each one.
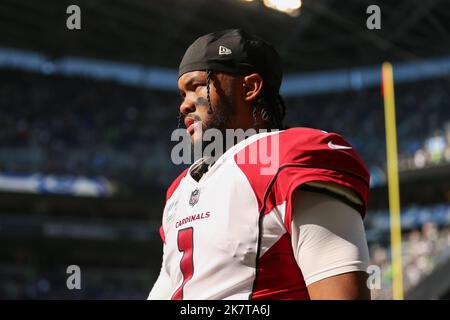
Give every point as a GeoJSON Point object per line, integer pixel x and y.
{"type": "Point", "coordinates": [333, 146]}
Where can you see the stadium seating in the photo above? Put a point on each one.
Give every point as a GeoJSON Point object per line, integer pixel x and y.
{"type": "Point", "coordinates": [78, 126]}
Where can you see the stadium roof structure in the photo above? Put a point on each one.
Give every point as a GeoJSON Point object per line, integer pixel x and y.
{"type": "Point", "coordinates": [328, 34]}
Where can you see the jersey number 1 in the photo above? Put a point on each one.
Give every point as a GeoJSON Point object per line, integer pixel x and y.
{"type": "Point", "coordinates": [185, 245]}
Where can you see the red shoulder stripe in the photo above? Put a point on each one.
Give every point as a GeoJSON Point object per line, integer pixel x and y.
{"type": "Point", "coordinates": [175, 184]}
{"type": "Point", "coordinates": [169, 193]}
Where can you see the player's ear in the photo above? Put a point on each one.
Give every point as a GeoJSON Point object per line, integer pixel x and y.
{"type": "Point", "coordinates": [253, 84]}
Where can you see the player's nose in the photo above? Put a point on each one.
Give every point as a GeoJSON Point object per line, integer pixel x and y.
{"type": "Point", "coordinates": [187, 107]}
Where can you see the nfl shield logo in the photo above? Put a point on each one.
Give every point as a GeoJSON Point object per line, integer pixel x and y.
{"type": "Point", "coordinates": [194, 197]}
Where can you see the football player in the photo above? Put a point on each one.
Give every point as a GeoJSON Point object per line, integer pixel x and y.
{"type": "Point", "coordinates": [230, 230]}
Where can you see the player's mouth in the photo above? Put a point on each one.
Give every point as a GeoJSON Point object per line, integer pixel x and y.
{"type": "Point", "coordinates": [190, 125]}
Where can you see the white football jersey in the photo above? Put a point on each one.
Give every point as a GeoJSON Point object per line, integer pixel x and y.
{"type": "Point", "coordinates": [228, 236]}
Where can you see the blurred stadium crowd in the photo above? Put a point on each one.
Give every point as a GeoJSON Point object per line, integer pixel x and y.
{"type": "Point", "coordinates": [424, 249]}
{"type": "Point", "coordinates": [423, 122]}
{"type": "Point", "coordinates": [77, 126]}
{"type": "Point", "coordinates": [68, 125]}
{"type": "Point", "coordinates": [19, 282]}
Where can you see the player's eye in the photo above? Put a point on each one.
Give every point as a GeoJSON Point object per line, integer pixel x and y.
{"type": "Point", "coordinates": [197, 86]}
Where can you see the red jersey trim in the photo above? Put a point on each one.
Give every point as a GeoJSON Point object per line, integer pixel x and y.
{"type": "Point", "coordinates": [162, 235]}
{"type": "Point", "coordinates": [289, 177]}
{"type": "Point", "coordinates": [169, 193]}
{"type": "Point", "coordinates": [272, 283]}
{"type": "Point", "coordinates": [280, 189]}
{"type": "Point", "coordinates": [175, 184]}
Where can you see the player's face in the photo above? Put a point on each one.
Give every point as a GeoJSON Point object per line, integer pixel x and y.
{"type": "Point", "coordinates": [226, 92]}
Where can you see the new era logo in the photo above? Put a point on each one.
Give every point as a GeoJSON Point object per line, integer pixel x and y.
{"type": "Point", "coordinates": [224, 50]}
